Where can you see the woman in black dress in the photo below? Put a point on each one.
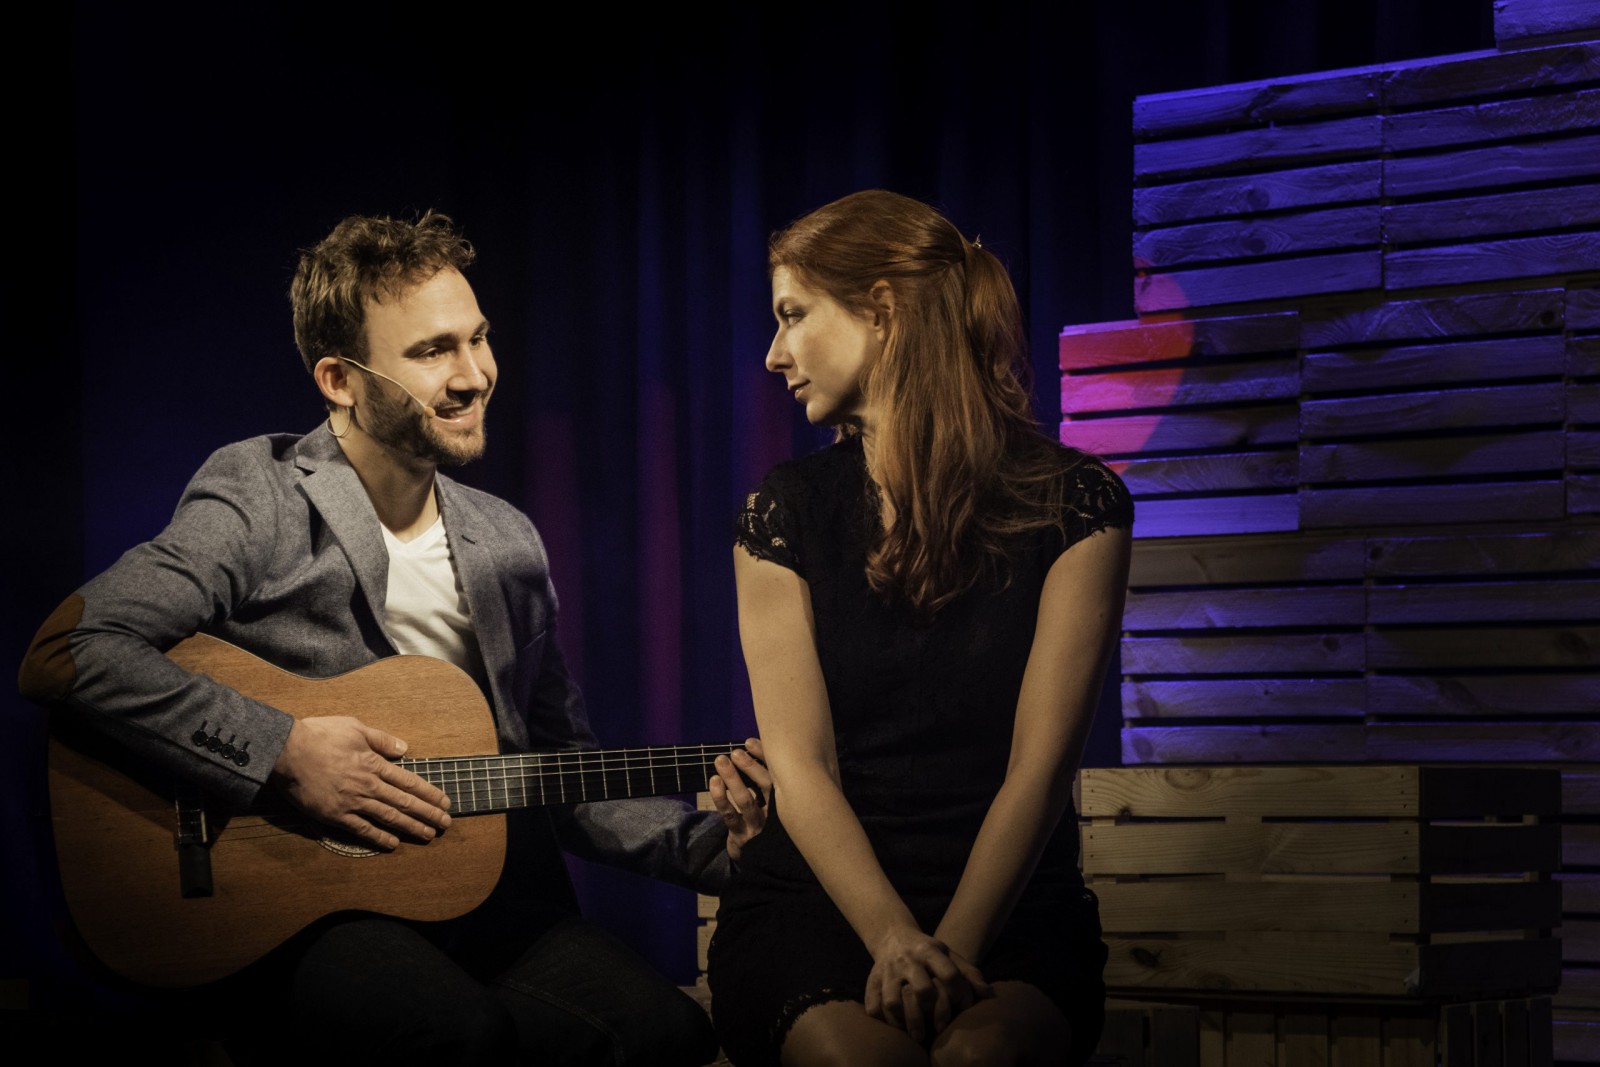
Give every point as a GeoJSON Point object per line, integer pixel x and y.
{"type": "Point", "coordinates": [927, 609]}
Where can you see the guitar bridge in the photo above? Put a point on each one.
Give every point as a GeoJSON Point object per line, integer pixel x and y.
{"type": "Point", "coordinates": [193, 842]}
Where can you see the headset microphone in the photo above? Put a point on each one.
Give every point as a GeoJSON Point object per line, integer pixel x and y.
{"type": "Point", "coordinates": [427, 409]}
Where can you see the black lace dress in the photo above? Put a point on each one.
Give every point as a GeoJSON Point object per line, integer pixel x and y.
{"type": "Point", "coordinates": [922, 718]}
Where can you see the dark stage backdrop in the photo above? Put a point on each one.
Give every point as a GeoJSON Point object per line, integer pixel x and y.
{"type": "Point", "coordinates": [619, 176]}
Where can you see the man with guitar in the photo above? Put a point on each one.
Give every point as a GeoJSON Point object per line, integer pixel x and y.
{"type": "Point", "coordinates": [322, 555]}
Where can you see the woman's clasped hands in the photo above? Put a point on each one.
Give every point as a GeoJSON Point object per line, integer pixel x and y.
{"type": "Point", "coordinates": [919, 984]}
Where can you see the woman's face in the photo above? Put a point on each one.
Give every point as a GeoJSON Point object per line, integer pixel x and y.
{"type": "Point", "coordinates": [821, 348]}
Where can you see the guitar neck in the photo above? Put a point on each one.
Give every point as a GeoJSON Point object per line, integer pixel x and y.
{"type": "Point", "coordinates": [478, 785]}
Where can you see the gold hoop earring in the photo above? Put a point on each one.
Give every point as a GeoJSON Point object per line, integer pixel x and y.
{"type": "Point", "coordinates": [349, 417]}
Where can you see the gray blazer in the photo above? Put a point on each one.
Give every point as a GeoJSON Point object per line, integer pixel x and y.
{"type": "Point", "coordinates": [275, 547]}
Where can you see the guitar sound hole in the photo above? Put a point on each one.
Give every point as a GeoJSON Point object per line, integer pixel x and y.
{"type": "Point", "coordinates": [347, 847]}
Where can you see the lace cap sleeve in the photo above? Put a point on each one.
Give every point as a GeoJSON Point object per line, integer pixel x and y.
{"type": "Point", "coordinates": [765, 529]}
{"type": "Point", "coordinates": [1096, 499]}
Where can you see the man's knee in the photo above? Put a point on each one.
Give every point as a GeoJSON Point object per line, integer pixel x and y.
{"type": "Point", "coordinates": [477, 1033]}
{"type": "Point", "coordinates": [682, 1037]}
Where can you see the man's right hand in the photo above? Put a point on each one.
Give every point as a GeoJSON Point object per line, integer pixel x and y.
{"type": "Point", "coordinates": [339, 771]}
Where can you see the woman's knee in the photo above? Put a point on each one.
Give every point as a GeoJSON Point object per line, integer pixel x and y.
{"type": "Point", "coordinates": [841, 1034]}
{"type": "Point", "coordinates": [1019, 1027]}
{"type": "Point", "coordinates": [975, 1048]}
{"type": "Point", "coordinates": [680, 1035]}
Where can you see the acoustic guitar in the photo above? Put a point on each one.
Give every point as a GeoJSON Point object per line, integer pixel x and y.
{"type": "Point", "coordinates": [168, 892]}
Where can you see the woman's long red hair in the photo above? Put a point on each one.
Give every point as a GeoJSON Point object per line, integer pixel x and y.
{"type": "Point", "coordinates": [955, 452]}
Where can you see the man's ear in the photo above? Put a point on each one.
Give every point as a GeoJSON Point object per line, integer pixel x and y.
{"type": "Point", "coordinates": [882, 294]}
{"type": "Point", "coordinates": [334, 379]}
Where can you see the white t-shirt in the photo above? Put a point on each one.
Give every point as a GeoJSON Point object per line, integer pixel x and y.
{"type": "Point", "coordinates": [426, 611]}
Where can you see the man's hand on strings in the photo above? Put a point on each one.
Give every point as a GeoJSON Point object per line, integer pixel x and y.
{"type": "Point", "coordinates": [339, 771]}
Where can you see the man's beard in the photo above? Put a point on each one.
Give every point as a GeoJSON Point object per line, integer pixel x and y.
{"type": "Point", "coordinates": [401, 426]}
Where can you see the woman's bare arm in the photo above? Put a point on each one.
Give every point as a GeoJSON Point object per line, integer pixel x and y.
{"type": "Point", "coordinates": [915, 982]}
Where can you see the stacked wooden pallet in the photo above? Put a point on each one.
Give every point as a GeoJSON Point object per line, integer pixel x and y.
{"type": "Point", "coordinates": [1360, 413]}
{"type": "Point", "coordinates": [1355, 908]}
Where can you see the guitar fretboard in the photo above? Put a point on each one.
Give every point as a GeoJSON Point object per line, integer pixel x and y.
{"type": "Point", "coordinates": [481, 784]}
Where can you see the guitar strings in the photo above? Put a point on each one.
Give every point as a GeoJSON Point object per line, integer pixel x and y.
{"type": "Point", "coordinates": [479, 783]}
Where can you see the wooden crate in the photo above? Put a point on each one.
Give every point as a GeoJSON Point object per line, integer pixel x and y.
{"type": "Point", "coordinates": [1407, 883]}
{"type": "Point", "coordinates": [1490, 1033]}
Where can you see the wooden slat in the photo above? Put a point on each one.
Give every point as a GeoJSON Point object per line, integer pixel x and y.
{"type": "Point", "coordinates": [1256, 698]}
{"type": "Point", "coordinates": [1541, 1052]}
{"type": "Point", "coordinates": [1514, 1023]}
{"type": "Point", "coordinates": [1205, 560]}
{"type": "Point", "coordinates": [1443, 409]}
{"type": "Point", "coordinates": [1244, 744]}
{"type": "Point", "coordinates": [1580, 892]}
{"type": "Point", "coordinates": [1252, 1037]}
{"type": "Point", "coordinates": [1491, 849]}
{"type": "Point", "coordinates": [1210, 474]}
{"type": "Point", "coordinates": [1499, 213]}
{"type": "Point", "coordinates": [1338, 183]}
{"type": "Point", "coordinates": [1580, 939]}
{"type": "Point", "coordinates": [1113, 344]}
{"type": "Point", "coordinates": [1580, 988]}
{"type": "Point", "coordinates": [1244, 654]}
{"type": "Point", "coordinates": [1422, 365]}
{"type": "Point", "coordinates": [1583, 403]}
{"type": "Point", "coordinates": [1211, 608]}
{"type": "Point", "coordinates": [1416, 505]}
{"type": "Point", "coordinates": [1174, 1035]}
{"type": "Point", "coordinates": [1303, 1038]}
{"type": "Point", "coordinates": [1122, 1036]}
{"type": "Point", "coordinates": [1270, 425]}
{"type": "Point", "coordinates": [1525, 553]}
{"type": "Point", "coordinates": [1523, 257]}
{"type": "Point", "coordinates": [1583, 357]}
{"type": "Point", "coordinates": [1378, 970]}
{"type": "Point", "coordinates": [1276, 379]}
{"type": "Point", "coordinates": [1485, 73]}
{"type": "Point", "coordinates": [1497, 791]}
{"type": "Point", "coordinates": [1574, 599]}
{"type": "Point", "coordinates": [1583, 309]}
{"type": "Point", "coordinates": [1356, 1040]}
{"type": "Point", "coordinates": [1471, 315]}
{"type": "Point", "coordinates": [1583, 494]}
{"type": "Point", "coordinates": [1433, 457]}
{"type": "Point", "coordinates": [1577, 1039]}
{"type": "Point", "coordinates": [1487, 1038]}
{"type": "Point", "coordinates": [1274, 235]}
{"type": "Point", "coordinates": [1519, 21]}
{"type": "Point", "coordinates": [1163, 114]}
{"type": "Point", "coordinates": [1580, 795]}
{"type": "Point", "coordinates": [1308, 276]}
{"type": "Point", "coordinates": [1257, 513]}
{"type": "Point", "coordinates": [1418, 696]}
{"type": "Point", "coordinates": [1495, 121]}
{"type": "Point", "coordinates": [1217, 847]}
{"type": "Point", "coordinates": [1490, 647]}
{"type": "Point", "coordinates": [1333, 905]}
{"type": "Point", "coordinates": [1511, 905]}
{"type": "Point", "coordinates": [1580, 845]}
{"type": "Point", "coordinates": [1553, 159]}
{"type": "Point", "coordinates": [1405, 792]}
{"type": "Point", "coordinates": [1213, 1038]}
{"type": "Point", "coordinates": [1258, 149]}
{"type": "Point", "coordinates": [1484, 742]}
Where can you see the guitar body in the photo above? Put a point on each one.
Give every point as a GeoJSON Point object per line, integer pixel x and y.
{"type": "Point", "coordinates": [273, 873]}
